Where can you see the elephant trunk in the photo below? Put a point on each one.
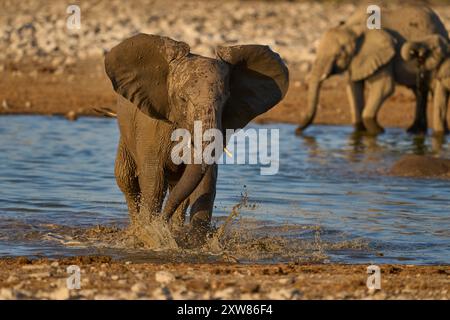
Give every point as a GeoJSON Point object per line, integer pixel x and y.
{"type": "Point", "coordinates": [190, 179]}
{"type": "Point", "coordinates": [321, 70]}
{"type": "Point", "coordinates": [313, 97]}
{"type": "Point", "coordinates": [194, 171]}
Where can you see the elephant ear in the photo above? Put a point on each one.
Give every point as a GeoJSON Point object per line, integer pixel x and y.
{"type": "Point", "coordinates": [443, 74]}
{"type": "Point", "coordinates": [259, 79]}
{"type": "Point", "coordinates": [138, 68]}
{"type": "Point", "coordinates": [375, 49]}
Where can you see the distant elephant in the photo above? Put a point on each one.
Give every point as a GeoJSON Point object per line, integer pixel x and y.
{"type": "Point", "coordinates": [371, 58]}
{"type": "Point", "coordinates": [161, 87]}
{"type": "Point", "coordinates": [433, 54]}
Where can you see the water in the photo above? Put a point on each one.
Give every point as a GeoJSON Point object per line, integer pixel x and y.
{"type": "Point", "coordinates": [331, 200]}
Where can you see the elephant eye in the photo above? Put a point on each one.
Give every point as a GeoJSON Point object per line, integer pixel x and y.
{"type": "Point", "coordinates": [342, 59]}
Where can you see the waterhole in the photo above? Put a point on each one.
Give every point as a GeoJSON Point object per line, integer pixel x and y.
{"type": "Point", "coordinates": [331, 200]}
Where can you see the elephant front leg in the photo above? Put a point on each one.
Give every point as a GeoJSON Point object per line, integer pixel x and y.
{"type": "Point", "coordinates": [420, 124]}
{"type": "Point", "coordinates": [355, 95]}
{"type": "Point", "coordinates": [381, 86]}
{"type": "Point", "coordinates": [440, 102]}
{"type": "Point", "coordinates": [153, 187]}
{"type": "Point", "coordinates": [127, 181]}
{"type": "Point", "coordinates": [202, 200]}
{"type": "Point", "coordinates": [178, 218]}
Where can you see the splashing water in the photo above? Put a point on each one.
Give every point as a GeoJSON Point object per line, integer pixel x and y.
{"type": "Point", "coordinates": [214, 244]}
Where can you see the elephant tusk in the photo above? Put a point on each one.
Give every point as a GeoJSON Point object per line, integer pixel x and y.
{"type": "Point", "coordinates": [106, 112]}
{"type": "Point", "coordinates": [228, 152]}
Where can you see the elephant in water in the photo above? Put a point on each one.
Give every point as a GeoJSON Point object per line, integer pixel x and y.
{"type": "Point", "coordinates": [162, 87]}
{"type": "Point", "coordinates": [433, 54]}
{"type": "Point", "coordinates": [371, 58]}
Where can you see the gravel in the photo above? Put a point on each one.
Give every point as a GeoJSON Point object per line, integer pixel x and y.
{"type": "Point", "coordinates": [217, 281]}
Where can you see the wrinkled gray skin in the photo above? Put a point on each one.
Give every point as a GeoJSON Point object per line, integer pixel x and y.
{"type": "Point", "coordinates": [163, 87]}
{"type": "Point", "coordinates": [371, 58]}
{"type": "Point", "coordinates": [433, 53]}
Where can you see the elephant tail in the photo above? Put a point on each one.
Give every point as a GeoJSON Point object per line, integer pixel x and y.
{"type": "Point", "coordinates": [104, 111]}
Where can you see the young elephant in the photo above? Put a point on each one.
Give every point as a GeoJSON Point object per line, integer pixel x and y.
{"type": "Point", "coordinates": [433, 55]}
{"type": "Point", "coordinates": [371, 59]}
{"type": "Point", "coordinates": [163, 87]}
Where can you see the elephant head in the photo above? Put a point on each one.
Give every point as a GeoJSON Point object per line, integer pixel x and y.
{"type": "Point", "coordinates": [165, 81]}
{"type": "Point", "coordinates": [428, 51]}
{"type": "Point", "coordinates": [340, 50]}
{"type": "Point", "coordinates": [431, 53]}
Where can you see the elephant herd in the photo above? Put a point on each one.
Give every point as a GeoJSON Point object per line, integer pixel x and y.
{"type": "Point", "coordinates": [161, 87]}
{"type": "Point", "coordinates": [410, 49]}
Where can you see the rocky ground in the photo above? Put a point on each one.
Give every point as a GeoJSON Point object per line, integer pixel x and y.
{"type": "Point", "coordinates": [50, 69]}
{"type": "Point", "coordinates": [102, 278]}
{"type": "Point", "coordinates": [36, 30]}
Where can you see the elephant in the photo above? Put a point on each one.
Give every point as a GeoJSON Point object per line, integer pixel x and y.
{"type": "Point", "coordinates": [371, 58]}
{"type": "Point", "coordinates": [161, 86]}
{"type": "Point", "coordinates": [433, 54]}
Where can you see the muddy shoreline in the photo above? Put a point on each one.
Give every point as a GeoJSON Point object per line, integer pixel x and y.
{"type": "Point", "coordinates": [103, 278]}
{"type": "Point", "coordinates": [79, 92]}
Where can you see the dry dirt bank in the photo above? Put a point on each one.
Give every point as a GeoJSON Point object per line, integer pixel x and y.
{"type": "Point", "coordinates": [78, 91]}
